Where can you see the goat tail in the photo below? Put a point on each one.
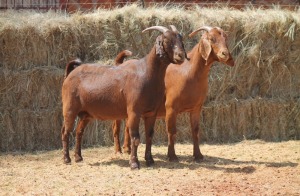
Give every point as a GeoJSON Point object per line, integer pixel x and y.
{"type": "Point", "coordinates": [71, 66]}
{"type": "Point", "coordinates": [121, 56]}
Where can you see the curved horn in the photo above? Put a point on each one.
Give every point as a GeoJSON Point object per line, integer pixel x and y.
{"type": "Point", "coordinates": [205, 28]}
{"type": "Point", "coordinates": [174, 29]}
{"type": "Point", "coordinates": [159, 28]}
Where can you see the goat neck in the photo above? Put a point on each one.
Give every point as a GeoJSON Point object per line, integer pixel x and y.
{"type": "Point", "coordinates": [198, 65]}
{"type": "Point", "coordinates": [156, 65]}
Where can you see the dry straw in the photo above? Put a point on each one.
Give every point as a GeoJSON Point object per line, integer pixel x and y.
{"type": "Point", "coordinates": [258, 98]}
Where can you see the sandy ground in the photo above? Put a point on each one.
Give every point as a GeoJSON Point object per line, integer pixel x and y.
{"type": "Point", "coordinates": [245, 168]}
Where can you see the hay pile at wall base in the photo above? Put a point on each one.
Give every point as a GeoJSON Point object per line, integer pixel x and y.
{"type": "Point", "coordinates": [258, 98]}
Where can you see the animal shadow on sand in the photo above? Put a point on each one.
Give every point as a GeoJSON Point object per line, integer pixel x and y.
{"type": "Point", "coordinates": [209, 162]}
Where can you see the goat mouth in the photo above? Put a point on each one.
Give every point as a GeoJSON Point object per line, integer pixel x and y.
{"type": "Point", "coordinates": [227, 61]}
{"type": "Point", "coordinates": [178, 61]}
{"type": "Point", "coordinates": [223, 59]}
{"type": "Point", "coordinates": [230, 62]}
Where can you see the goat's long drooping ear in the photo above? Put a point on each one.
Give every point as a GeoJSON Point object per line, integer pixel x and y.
{"type": "Point", "coordinates": [159, 40]}
{"type": "Point", "coordinates": [174, 29]}
{"type": "Point", "coordinates": [204, 43]}
{"type": "Point", "coordinates": [205, 47]}
{"type": "Point", "coordinates": [159, 46]}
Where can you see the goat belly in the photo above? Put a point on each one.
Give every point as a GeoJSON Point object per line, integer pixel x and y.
{"type": "Point", "coordinates": [104, 105]}
{"type": "Point", "coordinates": [109, 112]}
{"type": "Point", "coordinates": [149, 114]}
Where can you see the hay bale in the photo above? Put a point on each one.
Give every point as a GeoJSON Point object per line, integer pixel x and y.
{"type": "Point", "coordinates": [270, 120]}
{"type": "Point", "coordinates": [37, 88]}
{"type": "Point", "coordinates": [25, 129]}
{"type": "Point", "coordinates": [98, 133]}
{"type": "Point", "coordinates": [52, 39]}
{"type": "Point", "coordinates": [264, 45]}
{"type": "Point", "coordinates": [258, 98]}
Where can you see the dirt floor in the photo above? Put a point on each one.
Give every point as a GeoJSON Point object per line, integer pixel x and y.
{"type": "Point", "coordinates": [245, 168]}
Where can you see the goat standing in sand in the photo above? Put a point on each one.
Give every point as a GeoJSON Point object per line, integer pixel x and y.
{"type": "Point", "coordinates": [133, 91]}
{"type": "Point", "coordinates": [186, 88]}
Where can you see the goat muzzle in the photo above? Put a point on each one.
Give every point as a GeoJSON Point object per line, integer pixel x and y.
{"type": "Point", "coordinates": [223, 55]}
{"type": "Point", "coordinates": [179, 57]}
{"type": "Point", "coordinates": [230, 62]}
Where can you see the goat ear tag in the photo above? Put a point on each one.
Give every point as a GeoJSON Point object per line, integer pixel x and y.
{"type": "Point", "coordinates": [205, 48]}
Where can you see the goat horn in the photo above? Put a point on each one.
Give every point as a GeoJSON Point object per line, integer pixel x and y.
{"type": "Point", "coordinates": [174, 29]}
{"type": "Point", "coordinates": [159, 28]}
{"type": "Point", "coordinates": [205, 28]}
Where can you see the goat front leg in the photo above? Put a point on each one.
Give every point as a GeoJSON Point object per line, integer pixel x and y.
{"type": "Point", "coordinates": [149, 130]}
{"type": "Point", "coordinates": [171, 128]}
{"type": "Point", "coordinates": [133, 124]}
{"type": "Point", "coordinates": [195, 118]}
{"type": "Point", "coordinates": [83, 121]}
{"type": "Point", "coordinates": [116, 132]}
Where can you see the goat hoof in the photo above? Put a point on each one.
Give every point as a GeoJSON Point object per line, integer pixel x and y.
{"type": "Point", "coordinates": [174, 159]}
{"type": "Point", "coordinates": [199, 158]}
{"type": "Point", "coordinates": [67, 160]}
{"type": "Point", "coordinates": [134, 165]}
{"type": "Point", "coordinates": [126, 150]}
{"type": "Point", "coordinates": [119, 153]}
{"type": "Point", "coordinates": [78, 158]}
{"type": "Point", "coordinates": [150, 162]}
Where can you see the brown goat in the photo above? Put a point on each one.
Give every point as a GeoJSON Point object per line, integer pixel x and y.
{"type": "Point", "coordinates": [133, 91]}
{"type": "Point", "coordinates": [186, 88]}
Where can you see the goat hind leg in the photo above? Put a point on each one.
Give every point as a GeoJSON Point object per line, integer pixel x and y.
{"type": "Point", "coordinates": [116, 131]}
{"type": "Point", "coordinates": [195, 118]}
{"type": "Point", "coordinates": [84, 120]}
{"type": "Point", "coordinates": [65, 132]}
{"type": "Point", "coordinates": [171, 128]}
{"type": "Point", "coordinates": [127, 143]}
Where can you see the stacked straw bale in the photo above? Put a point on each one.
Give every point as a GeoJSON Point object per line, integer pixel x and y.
{"type": "Point", "coordinates": [258, 98]}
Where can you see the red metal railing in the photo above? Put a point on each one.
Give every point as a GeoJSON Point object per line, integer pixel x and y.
{"type": "Point", "coordinates": [85, 5]}
{"type": "Point", "coordinates": [30, 4]}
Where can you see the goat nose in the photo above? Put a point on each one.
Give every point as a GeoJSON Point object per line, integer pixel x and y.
{"type": "Point", "coordinates": [224, 53]}
{"type": "Point", "coordinates": [180, 55]}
